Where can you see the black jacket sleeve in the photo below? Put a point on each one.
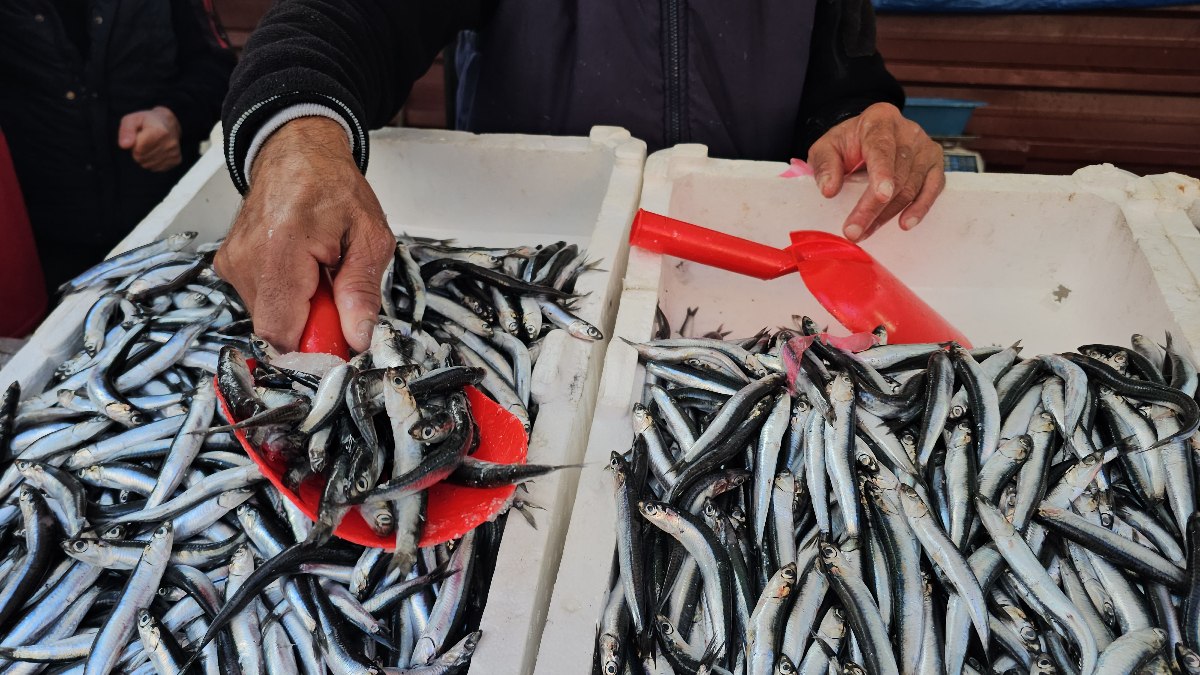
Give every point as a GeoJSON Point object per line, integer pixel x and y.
{"type": "Point", "coordinates": [845, 72]}
{"type": "Point", "coordinates": [357, 57]}
{"type": "Point", "coordinates": [204, 62]}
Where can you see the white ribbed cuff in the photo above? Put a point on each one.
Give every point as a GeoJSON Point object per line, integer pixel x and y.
{"type": "Point", "coordinates": [283, 117]}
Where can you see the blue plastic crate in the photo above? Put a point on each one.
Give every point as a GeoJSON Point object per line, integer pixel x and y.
{"type": "Point", "coordinates": [941, 116]}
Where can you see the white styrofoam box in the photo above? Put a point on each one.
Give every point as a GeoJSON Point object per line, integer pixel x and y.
{"type": "Point", "coordinates": [489, 190]}
{"type": "Point", "coordinates": [1055, 261]}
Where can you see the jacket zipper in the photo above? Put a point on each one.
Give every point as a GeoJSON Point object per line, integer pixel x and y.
{"type": "Point", "coordinates": [674, 62]}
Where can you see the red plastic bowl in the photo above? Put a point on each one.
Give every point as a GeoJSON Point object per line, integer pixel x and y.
{"type": "Point", "coordinates": [451, 510]}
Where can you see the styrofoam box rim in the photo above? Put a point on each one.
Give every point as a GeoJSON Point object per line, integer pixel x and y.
{"type": "Point", "coordinates": [564, 382]}
{"type": "Point", "coordinates": [1151, 208]}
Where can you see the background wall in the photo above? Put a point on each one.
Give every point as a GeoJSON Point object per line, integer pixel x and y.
{"type": "Point", "coordinates": [1063, 90]}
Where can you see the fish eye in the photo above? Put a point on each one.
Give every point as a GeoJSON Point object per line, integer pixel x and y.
{"type": "Point", "coordinates": [789, 573]}
{"type": "Point", "coordinates": [362, 484]}
{"type": "Point", "coordinates": [1044, 662]}
{"type": "Point", "coordinates": [610, 668]}
{"type": "Point", "coordinates": [161, 531]}
{"type": "Point", "coordinates": [79, 545]}
{"type": "Point", "coordinates": [828, 551]}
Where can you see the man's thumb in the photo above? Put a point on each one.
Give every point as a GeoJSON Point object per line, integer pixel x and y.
{"type": "Point", "coordinates": [356, 292]}
{"type": "Point", "coordinates": [131, 124]}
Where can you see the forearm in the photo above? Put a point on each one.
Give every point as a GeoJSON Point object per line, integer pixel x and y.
{"type": "Point", "coordinates": [846, 74]}
{"type": "Point", "coordinates": [358, 58]}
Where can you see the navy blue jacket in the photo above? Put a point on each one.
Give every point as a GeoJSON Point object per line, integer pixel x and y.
{"type": "Point", "coordinates": [752, 79]}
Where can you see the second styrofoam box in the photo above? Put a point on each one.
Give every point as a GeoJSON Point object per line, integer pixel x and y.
{"type": "Point", "coordinates": [492, 190]}
{"type": "Point", "coordinates": [1054, 261]}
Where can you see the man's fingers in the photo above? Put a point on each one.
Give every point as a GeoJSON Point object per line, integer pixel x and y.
{"type": "Point", "coordinates": [369, 250]}
{"type": "Point", "coordinates": [227, 268]}
{"type": "Point", "coordinates": [908, 192]}
{"type": "Point", "coordinates": [906, 158]}
{"type": "Point", "coordinates": [128, 131]}
{"type": "Point", "coordinates": [828, 168]}
{"type": "Point", "coordinates": [280, 307]}
{"type": "Point", "coordinates": [935, 181]}
{"type": "Point", "coordinates": [150, 141]}
{"type": "Point", "coordinates": [879, 152]}
{"type": "Point", "coordinates": [274, 282]}
{"type": "Point", "coordinates": [161, 161]}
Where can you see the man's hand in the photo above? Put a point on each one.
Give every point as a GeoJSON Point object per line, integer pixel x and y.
{"type": "Point", "coordinates": [308, 207]}
{"type": "Point", "coordinates": [153, 136]}
{"type": "Point", "coordinates": [904, 167]}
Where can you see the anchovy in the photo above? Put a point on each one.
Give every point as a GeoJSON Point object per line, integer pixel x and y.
{"type": "Point", "coordinates": [23, 581]}
{"type": "Point", "coordinates": [136, 413]}
{"type": "Point", "coordinates": [139, 591]}
{"type": "Point", "coordinates": [1032, 533]}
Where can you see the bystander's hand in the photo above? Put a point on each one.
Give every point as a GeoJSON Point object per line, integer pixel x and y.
{"type": "Point", "coordinates": [153, 138]}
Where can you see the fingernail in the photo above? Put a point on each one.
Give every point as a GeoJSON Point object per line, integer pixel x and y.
{"type": "Point", "coordinates": [364, 329]}
{"type": "Point", "coordinates": [911, 222]}
{"type": "Point", "coordinates": [822, 181]}
{"type": "Point", "coordinates": [853, 232]}
{"type": "Point", "coordinates": [886, 189]}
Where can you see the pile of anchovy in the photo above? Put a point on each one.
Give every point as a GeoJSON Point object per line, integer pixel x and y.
{"type": "Point", "coordinates": [790, 506]}
{"type": "Point", "coordinates": [138, 535]}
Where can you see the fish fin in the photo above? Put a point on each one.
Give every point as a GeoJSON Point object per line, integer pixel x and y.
{"type": "Point", "coordinates": [383, 640]}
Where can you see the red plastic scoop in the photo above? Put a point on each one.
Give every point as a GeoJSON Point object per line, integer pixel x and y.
{"type": "Point", "coordinates": [452, 510]}
{"type": "Point", "coordinates": [854, 287]}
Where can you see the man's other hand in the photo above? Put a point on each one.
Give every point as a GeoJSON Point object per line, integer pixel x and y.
{"type": "Point", "coordinates": [904, 168]}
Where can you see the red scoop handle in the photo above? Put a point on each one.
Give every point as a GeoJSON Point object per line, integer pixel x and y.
{"type": "Point", "coordinates": [323, 330]}
{"type": "Point", "coordinates": [680, 239]}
